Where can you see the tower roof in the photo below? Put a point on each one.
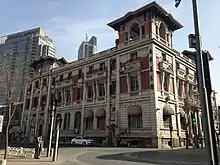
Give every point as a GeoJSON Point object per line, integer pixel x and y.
{"type": "Point", "coordinates": [151, 7]}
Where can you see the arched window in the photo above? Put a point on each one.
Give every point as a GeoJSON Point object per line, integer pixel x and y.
{"type": "Point", "coordinates": [167, 116]}
{"type": "Point", "coordinates": [66, 125]}
{"type": "Point", "coordinates": [134, 31]}
{"type": "Point", "coordinates": [77, 123]}
{"type": "Point", "coordinates": [88, 119]}
{"type": "Point", "coordinates": [135, 117]}
{"type": "Point", "coordinates": [100, 115]}
{"type": "Point", "coordinates": [162, 31]}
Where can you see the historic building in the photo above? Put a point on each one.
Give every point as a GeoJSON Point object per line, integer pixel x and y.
{"type": "Point", "coordinates": [134, 92]}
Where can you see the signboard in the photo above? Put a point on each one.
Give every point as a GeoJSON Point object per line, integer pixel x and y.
{"type": "Point", "coordinates": [1, 122]}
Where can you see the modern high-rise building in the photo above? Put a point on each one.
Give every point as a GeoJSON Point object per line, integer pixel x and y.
{"type": "Point", "coordinates": [19, 50]}
{"type": "Point", "coordinates": [87, 48]}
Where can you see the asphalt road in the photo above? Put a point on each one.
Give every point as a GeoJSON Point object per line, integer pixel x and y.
{"type": "Point", "coordinates": [128, 156]}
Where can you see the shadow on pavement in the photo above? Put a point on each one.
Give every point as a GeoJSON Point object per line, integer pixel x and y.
{"type": "Point", "coordinates": [163, 157]}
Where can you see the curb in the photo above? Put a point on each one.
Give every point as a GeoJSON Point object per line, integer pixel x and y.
{"type": "Point", "coordinates": [129, 156]}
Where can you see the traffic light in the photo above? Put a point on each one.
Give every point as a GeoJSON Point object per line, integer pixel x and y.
{"type": "Point", "coordinates": [59, 122]}
{"type": "Point", "coordinates": [194, 121]}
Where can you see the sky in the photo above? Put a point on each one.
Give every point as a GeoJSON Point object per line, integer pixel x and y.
{"type": "Point", "coordinates": [67, 22]}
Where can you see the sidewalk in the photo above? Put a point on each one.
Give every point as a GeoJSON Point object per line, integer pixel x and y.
{"type": "Point", "coordinates": [19, 160]}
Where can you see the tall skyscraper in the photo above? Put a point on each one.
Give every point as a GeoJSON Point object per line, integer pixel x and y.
{"type": "Point", "coordinates": [87, 48]}
{"type": "Point", "coordinates": [19, 50]}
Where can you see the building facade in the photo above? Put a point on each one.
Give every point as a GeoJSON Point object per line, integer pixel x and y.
{"type": "Point", "coordinates": [133, 92]}
{"type": "Point", "coordinates": [87, 48]}
{"type": "Point", "coordinates": [19, 50]}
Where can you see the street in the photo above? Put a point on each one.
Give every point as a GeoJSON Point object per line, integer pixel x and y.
{"type": "Point", "coordinates": [118, 156]}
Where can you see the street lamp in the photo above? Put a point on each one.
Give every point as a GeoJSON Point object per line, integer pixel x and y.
{"type": "Point", "coordinates": [53, 112]}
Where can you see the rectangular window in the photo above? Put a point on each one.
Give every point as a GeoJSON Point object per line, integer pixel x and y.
{"type": "Point", "coordinates": [59, 97]}
{"type": "Point", "coordinates": [102, 66]}
{"type": "Point", "coordinates": [101, 90]}
{"type": "Point", "coordinates": [27, 104]}
{"type": "Point", "coordinates": [90, 92]}
{"type": "Point", "coordinates": [37, 84]}
{"type": "Point", "coordinates": [164, 57]}
{"type": "Point", "coordinates": [90, 70]}
{"type": "Point", "coordinates": [113, 64]}
{"type": "Point", "coordinates": [180, 88]}
{"type": "Point", "coordinates": [44, 82]}
{"type": "Point", "coordinates": [133, 56]}
{"type": "Point", "coordinates": [134, 85]}
{"type": "Point", "coordinates": [78, 94]}
{"type": "Point", "coordinates": [53, 81]}
{"type": "Point", "coordinates": [80, 73]}
{"type": "Point", "coordinates": [166, 82]}
{"type": "Point", "coordinates": [67, 95]}
{"type": "Point", "coordinates": [69, 75]}
{"type": "Point", "coordinates": [143, 30]}
{"type": "Point", "coordinates": [61, 78]}
{"type": "Point", "coordinates": [167, 120]}
{"type": "Point", "coordinates": [126, 36]}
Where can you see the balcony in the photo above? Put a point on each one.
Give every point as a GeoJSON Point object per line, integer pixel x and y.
{"type": "Point", "coordinates": [181, 73]}
{"type": "Point", "coordinates": [98, 75]}
{"type": "Point", "coordinates": [63, 83]}
{"type": "Point", "coordinates": [190, 78]}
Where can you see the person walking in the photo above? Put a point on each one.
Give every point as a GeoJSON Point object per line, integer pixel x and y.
{"type": "Point", "coordinates": [38, 142]}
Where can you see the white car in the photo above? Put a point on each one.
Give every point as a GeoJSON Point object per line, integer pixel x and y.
{"type": "Point", "coordinates": [79, 140]}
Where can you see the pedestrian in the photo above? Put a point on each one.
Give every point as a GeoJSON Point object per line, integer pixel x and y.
{"type": "Point", "coordinates": [38, 142]}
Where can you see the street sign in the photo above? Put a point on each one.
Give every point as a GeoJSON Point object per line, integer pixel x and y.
{"type": "Point", "coordinates": [1, 122]}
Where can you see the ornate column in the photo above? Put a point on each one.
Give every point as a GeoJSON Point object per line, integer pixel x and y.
{"type": "Point", "coordinates": [94, 90]}
{"type": "Point", "coordinates": [83, 108]}
{"type": "Point", "coordinates": [38, 108]}
{"type": "Point", "coordinates": [162, 81]}
{"type": "Point", "coordinates": [128, 82]}
{"type": "Point", "coordinates": [30, 109]}
{"type": "Point", "coordinates": [97, 90]}
{"type": "Point", "coordinates": [117, 89]}
{"type": "Point", "coordinates": [139, 81]}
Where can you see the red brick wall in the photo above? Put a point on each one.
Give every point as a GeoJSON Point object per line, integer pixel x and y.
{"type": "Point", "coordinates": [145, 80]}
{"type": "Point", "coordinates": [121, 37]}
{"type": "Point", "coordinates": [74, 94]}
{"type": "Point", "coordinates": [159, 86]}
{"type": "Point", "coordinates": [123, 84]}
{"type": "Point", "coordinates": [157, 63]}
{"type": "Point", "coordinates": [75, 80]}
{"type": "Point", "coordinates": [144, 62]}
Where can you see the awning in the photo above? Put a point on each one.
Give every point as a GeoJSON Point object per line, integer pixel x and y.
{"type": "Point", "coordinates": [14, 129]}
{"type": "Point", "coordinates": [182, 113]}
{"type": "Point", "coordinates": [167, 110]}
{"type": "Point", "coordinates": [134, 110]}
{"type": "Point", "coordinates": [88, 114]}
{"type": "Point", "coordinates": [100, 113]}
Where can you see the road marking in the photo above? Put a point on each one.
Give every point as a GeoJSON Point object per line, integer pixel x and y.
{"type": "Point", "coordinates": [78, 161]}
{"type": "Point", "coordinates": [159, 161]}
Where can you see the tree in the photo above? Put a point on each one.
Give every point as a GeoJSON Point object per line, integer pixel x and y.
{"type": "Point", "coordinates": [9, 79]}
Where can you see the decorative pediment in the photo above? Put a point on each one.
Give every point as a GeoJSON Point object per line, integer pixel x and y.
{"type": "Point", "coordinates": [164, 65]}
{"type": "Point", "coordinates": [132, 67]}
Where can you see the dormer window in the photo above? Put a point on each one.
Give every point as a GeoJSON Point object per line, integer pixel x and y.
{"type": "Point", "coordinates": [164, 58]}
{"type": "Point", "coordinates": [134, 31]}
{"type": "Point", "coordinates": [162, 31]}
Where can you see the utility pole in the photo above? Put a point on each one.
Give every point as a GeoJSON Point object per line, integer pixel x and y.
{"type": "Point", "coordinates": [55, 154]}
{"type": "Point", "coordinates": [53, 111]}
{"type": "Point", "coordinates": [202, 89]}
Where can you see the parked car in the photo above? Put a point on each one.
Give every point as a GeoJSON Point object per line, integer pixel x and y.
{"type": "Point", "coordinates": [84, 141]}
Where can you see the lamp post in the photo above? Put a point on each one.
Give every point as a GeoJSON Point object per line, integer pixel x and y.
{"type": "Point", "coordinates": [53, 111]}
